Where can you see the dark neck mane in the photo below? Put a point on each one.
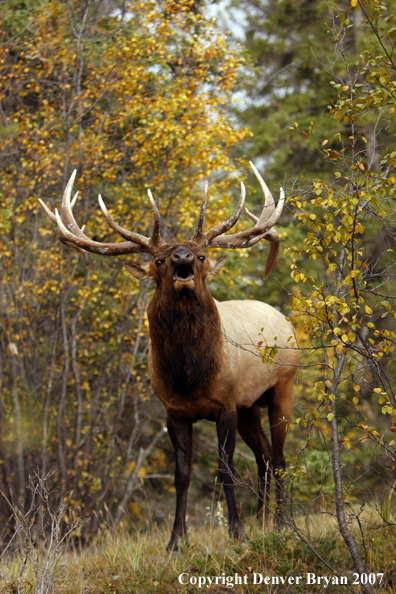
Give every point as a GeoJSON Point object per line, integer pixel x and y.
{"type": "Point", "coordinates": [186, 342]}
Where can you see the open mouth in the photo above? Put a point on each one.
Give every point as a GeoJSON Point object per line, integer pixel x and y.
{"type": "Point", "coordinates": [183, 277]}
{"type": "Point", "coordinates": [183, 272]}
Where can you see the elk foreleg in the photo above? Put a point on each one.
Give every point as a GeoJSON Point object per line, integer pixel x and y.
{"type": "Point", "coordinates": [180, 432]}
{"type": "Point", "coordinates": [226, 433]}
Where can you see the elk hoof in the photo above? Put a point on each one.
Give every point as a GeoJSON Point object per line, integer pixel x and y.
{"type": "Point", "coordinates": [176, 546]}
{"type": "Point", "coordinates": [173, 550]}
{"type": "Point", "coordinates": [176, 553]}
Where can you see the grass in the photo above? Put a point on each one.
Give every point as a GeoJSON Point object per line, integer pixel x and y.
{"type": "Point", "coordinates": [135, 563]}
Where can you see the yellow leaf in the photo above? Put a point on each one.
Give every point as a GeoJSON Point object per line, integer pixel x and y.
{"type": "Point", "coordinates": [330, 417]}
{"type": "Point", "coordinates": [324, 142]}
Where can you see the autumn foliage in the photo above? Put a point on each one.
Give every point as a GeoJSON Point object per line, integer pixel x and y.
{"type": "Point", "coordinates": [135, 99]}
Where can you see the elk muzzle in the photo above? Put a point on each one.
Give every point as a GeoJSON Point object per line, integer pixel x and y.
{"type": "Point", "coordinates": [183, 269]}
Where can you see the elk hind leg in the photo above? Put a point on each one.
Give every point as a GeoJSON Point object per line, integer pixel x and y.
{"type": "Point", "coordinates": [280, 404]}
{"type": "Point", "coordinates": [250, 429]}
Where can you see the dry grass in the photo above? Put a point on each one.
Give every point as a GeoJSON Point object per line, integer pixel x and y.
{"type": "Point", "coordinates": [135, 563]}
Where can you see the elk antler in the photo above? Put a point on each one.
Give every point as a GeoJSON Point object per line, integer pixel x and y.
{"type": "Point", "coordinates": [71, 234]}
{"type": "Point", "coordinates": [249, 237]}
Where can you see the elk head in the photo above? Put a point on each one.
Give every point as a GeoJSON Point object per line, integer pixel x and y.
{"type": "Point", "coordinates": [184, 265]}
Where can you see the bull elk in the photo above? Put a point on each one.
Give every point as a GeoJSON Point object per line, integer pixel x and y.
{"type": "Point", "coordinates": [203, 357]}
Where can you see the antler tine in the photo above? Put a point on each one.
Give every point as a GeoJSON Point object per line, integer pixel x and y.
{"type": "Point", "coordinates": [66, 208]}
{"type": "Point", "coordinates": [270, 222]}
{"type": "Point", "coordinates": [251, 216]}
{"type": "Point", "coordinates": [129, 235]}
{"type": "Point", "coordinates": [74, 199]}
{"type": "Point", "coordinates": [271, 236]}
{"type": "Point", "coordinates": [269, 204]}
{"type": "Point", "coordinates": [48, 212]}
{"type": "Point", "coordinates": [155, 240]}
{"type": "Point", "coordinates": [207, 238]}
{"type": "Point", "coordinates": [52, 216]}
{"type": "Point", "coordinates": [202, 212]}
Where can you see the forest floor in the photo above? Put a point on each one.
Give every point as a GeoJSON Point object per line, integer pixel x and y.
{"type": "Point", "coordinates": [121, 562]}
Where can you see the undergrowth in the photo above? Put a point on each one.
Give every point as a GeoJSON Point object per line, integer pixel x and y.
{"type": "Point", "coordinates": [127, 562]}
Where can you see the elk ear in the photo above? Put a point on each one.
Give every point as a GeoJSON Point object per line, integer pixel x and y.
{"type": "Point", "coordinates": [216, 264]}
{"type": "Point", "coordinates": [140, 271]}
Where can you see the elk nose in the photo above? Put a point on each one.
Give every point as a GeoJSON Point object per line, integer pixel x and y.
{"type": "Point", "coordinates": [182, 256]}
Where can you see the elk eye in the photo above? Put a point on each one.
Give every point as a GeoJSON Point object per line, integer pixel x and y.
{"type": "Point", "coordinates": [202, 258]}
{"type": "Point", "coordinates": [158, 262]}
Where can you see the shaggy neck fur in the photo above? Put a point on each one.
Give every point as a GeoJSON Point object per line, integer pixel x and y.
{"type": "Point", "coordinates": [186, 340]}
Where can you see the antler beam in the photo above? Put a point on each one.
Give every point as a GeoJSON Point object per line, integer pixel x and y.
{"type": "Point", "coordinates": [70, 233]}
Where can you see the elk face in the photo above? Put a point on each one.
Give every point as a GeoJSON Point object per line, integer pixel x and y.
{"type": "Point", "coordinates": [181, 268]}
{"type": "Point", "coordinates": [184, 265]}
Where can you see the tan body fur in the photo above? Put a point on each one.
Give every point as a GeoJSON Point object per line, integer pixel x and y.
{"type": "Point", "coordinates": [243, 378]}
